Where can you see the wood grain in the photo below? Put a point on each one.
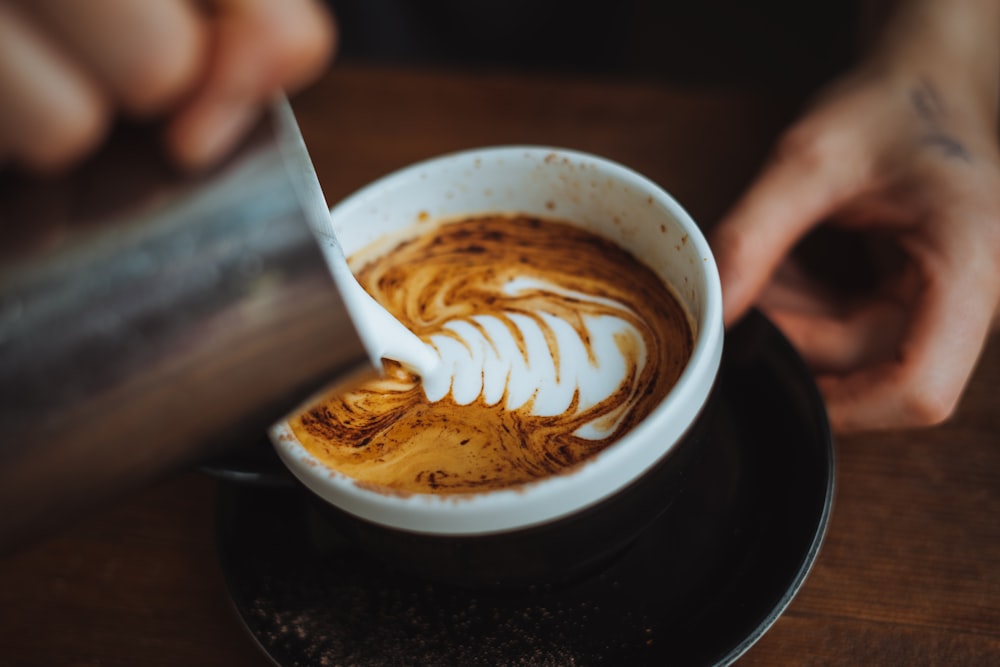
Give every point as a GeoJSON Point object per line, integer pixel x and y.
{"type": "Point", "coordinates": [909, 572]}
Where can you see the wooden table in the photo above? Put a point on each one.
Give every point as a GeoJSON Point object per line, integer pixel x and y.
{"type": "Point", "coordinates": [910, 570]}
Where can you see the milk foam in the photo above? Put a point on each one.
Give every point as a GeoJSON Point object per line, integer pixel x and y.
{"type": "Point", "coordinates": [549, 343]}
{"type": "Point", "coordinates": [540, 361]}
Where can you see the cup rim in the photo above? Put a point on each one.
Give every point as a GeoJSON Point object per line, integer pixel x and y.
{"type": "Point", "coordinates": [556, 496]}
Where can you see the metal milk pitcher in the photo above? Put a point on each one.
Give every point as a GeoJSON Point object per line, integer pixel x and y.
{"type": "Point", "coordinates": [149, 319]}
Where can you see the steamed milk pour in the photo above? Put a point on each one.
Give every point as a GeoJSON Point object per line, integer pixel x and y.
{"type": "Point", "coordinates": [383, 336]}
{"type": "Point", "coordinates": [158, 318]}
{"type": "Point", "coordinates": [552, 342]}
{"type": "Point", "coordinates": [513, 357]}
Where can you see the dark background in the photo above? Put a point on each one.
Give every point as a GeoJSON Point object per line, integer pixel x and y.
{"type": "Point", "coordinates": [785, 44]}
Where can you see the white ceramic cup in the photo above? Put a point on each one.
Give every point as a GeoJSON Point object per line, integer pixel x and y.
{"type": "Point", "coordinates": [600, 196]}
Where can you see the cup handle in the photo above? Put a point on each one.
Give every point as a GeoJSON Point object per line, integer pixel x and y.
{"type": "Point", "coordinates": [253, 464]}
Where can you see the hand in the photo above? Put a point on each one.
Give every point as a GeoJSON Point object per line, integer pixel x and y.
{"type": "Point", "coordinates": [909, 171]}
{"type": "Point", "coordinates": [204, 67]}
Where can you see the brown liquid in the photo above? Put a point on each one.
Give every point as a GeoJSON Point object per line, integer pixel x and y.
{"type": "Point", "coordinates": [388, 434]}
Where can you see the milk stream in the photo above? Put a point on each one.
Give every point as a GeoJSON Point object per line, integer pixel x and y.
{"type": "Point", "coordinates": [384, 336]}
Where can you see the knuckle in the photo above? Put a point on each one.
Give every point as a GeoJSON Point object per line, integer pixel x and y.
{"type": "Point", "coordinates": [928, 405]}
{"type": "Point", "coordinates": [803, 147]}
{"type": "Point", "coordinates": [164, 71]}
{"type": "Point", "coordinates": [301, 43]}
{"type": "Point", "coordinates": [734, 249]}
{"type": "Point", "coordinates": [68, 137]}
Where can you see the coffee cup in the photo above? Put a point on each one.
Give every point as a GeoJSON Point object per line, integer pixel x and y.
{"type": "Point", "coordinates": [560, 526]}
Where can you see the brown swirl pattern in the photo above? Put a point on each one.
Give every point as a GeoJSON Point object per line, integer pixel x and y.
{"type": "Point", "coordinates": [388, 434]}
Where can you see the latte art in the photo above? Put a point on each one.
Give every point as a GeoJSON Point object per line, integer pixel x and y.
{"type": "Point", "coordinates": [553, 342]}
{"type": "Point", "coordinates": [537, 361]}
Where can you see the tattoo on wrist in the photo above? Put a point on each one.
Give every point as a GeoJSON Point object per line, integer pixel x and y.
{"type": "Point", "coordinates": [930, 109]}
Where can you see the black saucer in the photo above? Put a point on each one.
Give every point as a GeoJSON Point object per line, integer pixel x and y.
{"type": "Point", "coordinates": [699, 588]}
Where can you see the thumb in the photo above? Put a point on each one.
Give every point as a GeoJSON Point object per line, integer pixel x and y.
{"type": "Point", "coordinates": [795, 191]}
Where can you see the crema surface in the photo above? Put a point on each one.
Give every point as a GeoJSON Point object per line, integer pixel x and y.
{"type": "Point", "coordinates": [553, 341]}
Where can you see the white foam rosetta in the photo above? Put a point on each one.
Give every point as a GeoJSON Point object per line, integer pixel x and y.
{"type": "Point", "coordinates": [509, 355]}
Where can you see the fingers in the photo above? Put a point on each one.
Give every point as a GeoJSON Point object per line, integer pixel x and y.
{"type": "Point", "coordinates": [840, 343]}
{"type": "Point", "coordinates": [51, 111]}
{"type": "Point", "coordinates": [145, 55]}
{"type": "Point", "coordinates": [837, 331]}
{"type": "Point", "coordinates": [68, 66]}
{"type": "Point", "coordinates": [922, 385]}
{"type": "Point", "coordinates": [804, 183]}
{"type": "Point", "coordinates": [261, 47]}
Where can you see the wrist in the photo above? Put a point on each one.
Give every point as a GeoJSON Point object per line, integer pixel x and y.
{"type": "Point", "coordinates": [954, 45]}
